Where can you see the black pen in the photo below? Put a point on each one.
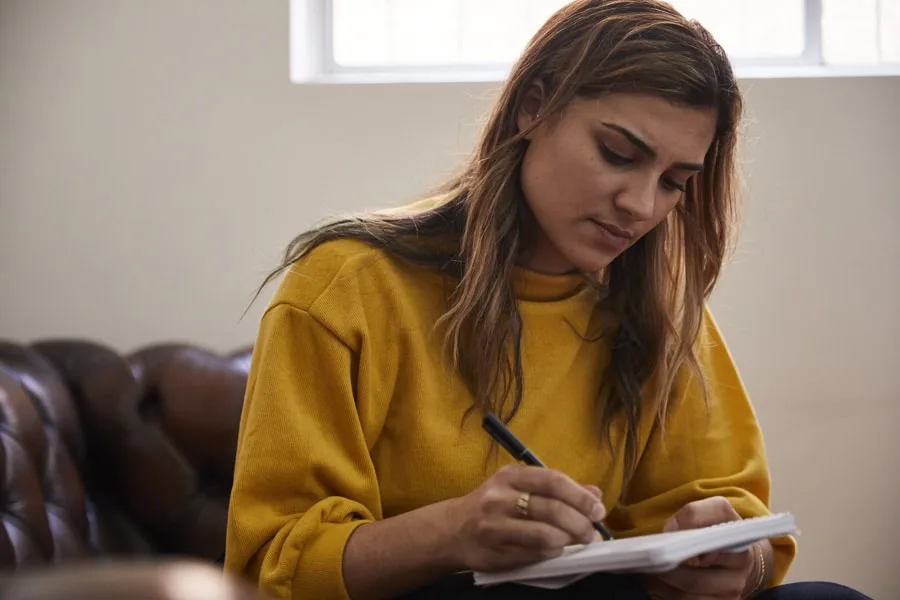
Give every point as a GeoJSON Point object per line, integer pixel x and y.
{"type": "Point", "coordinates": [517, 449]}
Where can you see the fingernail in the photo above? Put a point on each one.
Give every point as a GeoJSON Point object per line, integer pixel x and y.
{"type": "Point", "coordinates": [598, 512]}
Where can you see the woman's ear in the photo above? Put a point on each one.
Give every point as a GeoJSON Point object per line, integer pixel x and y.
{"type": "Point", "coordinates": [531, 106]}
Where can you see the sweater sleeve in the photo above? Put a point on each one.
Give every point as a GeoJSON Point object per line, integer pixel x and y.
{"type": "Point", "coordinates": [304, 479]}
{"type": "Point", "coordinates": [701, 453]}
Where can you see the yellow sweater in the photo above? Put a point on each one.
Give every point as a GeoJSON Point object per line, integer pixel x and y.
{"type": "Point", "coordinates": [351, 415]}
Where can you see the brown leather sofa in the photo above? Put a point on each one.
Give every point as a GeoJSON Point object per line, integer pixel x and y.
{"type": "Point", "coordinates": [105, 456]}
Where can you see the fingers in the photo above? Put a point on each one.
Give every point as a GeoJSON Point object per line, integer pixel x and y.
{"type": "Point", "coordinates": [519, 556]}
{"type": "Point", "coordinates": [702, 582]}
{"type": "Point", "coordinates": [559, 513]}
{"type": "Point", "coordinates": [531, 535]}
{"type": "Point", "coordinates": [704, 560]}
{"type": "Point", "coordinates": [726, 560]}
{"type": "Point", "coordinates": [562, 516]}
{"type": "Point", "coordinates": [537, 536]}
{"type": "Point", "coordinates": [713, 575]}
{"type": "Point", "coordinates": [595, 491]}
{"type": "Point", "coordinates": [558, 486]}
{"type": "Point", "coordinates": [702, 513]}
{"type": "Point", "coordinates": [510, 544]}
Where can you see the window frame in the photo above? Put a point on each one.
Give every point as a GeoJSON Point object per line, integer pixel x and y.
{"type": "Point", "coordinates": [312, 55]}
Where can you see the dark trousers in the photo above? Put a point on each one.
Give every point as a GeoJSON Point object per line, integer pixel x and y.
{"type": "Point", "coordinates": [811, 591]}
{"type": "Point", "coordinates": [609, 587]}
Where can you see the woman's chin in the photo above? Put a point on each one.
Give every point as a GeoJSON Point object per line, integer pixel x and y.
{"type": "Point", "coordinates": [590, 260]}
{"type": "Point", "coordinates": [575, 258]}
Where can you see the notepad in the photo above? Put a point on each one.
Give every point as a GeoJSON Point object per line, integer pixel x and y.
{"type": "Point", "coordinates": [643, 554]}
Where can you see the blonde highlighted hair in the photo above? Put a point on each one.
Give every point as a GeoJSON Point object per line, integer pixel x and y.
{"type": "Point", "coordinates": [656, 289]}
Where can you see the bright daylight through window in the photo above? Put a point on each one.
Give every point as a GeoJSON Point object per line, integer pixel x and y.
{"type": "Point", "coordinates": [384, 37]}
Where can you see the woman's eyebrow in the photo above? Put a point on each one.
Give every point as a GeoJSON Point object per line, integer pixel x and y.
{"type": "Point", "coordinates": [639, 143]}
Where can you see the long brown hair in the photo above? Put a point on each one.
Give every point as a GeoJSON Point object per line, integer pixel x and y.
{"type": "Point", "coordinates": [656, 289]}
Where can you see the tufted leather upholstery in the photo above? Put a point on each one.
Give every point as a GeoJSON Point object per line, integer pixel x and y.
{"type": "Point", "coordinates": [107, 455]}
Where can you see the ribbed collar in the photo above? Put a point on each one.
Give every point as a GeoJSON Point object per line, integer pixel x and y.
{"type": "Point", "coordinates": [532, 286]}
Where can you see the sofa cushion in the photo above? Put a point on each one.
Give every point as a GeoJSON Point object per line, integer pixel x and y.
{"type": "Point", "coordinates": [105, 454]}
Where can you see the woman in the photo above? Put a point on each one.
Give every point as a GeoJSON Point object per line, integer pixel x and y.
{"type": "Point", "coordinates": [559, 282]}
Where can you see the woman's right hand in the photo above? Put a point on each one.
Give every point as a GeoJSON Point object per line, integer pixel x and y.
{"type": "Point", "coordinates": [492, 534]}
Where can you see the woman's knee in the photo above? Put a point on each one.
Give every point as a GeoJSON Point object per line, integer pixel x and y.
{"type": "Point", "coordinates": [814, 590]}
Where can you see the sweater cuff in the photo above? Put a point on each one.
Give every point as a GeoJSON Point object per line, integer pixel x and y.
{"type": "Point", "coordinates": [785, 551]}
{"type": "Point", "coordinates": [320, 572]}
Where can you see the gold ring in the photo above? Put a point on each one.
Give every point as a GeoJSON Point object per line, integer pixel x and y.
{"type": "Point", "coordinates": [522, 503]}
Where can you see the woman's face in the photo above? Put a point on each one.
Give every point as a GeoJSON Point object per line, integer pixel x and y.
{"type": "Point", "coordinates": [604, 173]}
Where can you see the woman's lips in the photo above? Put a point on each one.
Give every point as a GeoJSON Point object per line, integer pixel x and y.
{"type": "Point", "coordinates": [612, 236]}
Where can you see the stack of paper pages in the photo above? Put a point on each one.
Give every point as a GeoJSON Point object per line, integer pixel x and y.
{"type": "Point", "coordinates": [644, 554]}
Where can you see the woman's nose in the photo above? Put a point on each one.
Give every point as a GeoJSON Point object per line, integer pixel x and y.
{"type": "Point", "coordinates": [638, 199]}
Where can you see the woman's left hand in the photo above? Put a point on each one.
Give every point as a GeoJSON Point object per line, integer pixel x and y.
{"type": "Point", "coordinates": [719, 575]}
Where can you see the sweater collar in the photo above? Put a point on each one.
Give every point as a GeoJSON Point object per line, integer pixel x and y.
{"type": "Point", "coordinates": [532, 286]}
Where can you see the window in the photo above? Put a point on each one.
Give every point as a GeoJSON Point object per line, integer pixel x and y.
{"type": "Point", "coordinates": [446, 38]}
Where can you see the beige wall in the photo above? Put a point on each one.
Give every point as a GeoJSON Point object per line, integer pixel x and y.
{"type": "Point", "coordinates": [154, 159]}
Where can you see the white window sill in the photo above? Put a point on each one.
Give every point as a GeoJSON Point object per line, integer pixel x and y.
{"type": "Point", "coordinates": [364, 77]}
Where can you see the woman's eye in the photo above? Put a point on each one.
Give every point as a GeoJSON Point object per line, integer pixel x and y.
{"type": "Point", "coordinates": [614, 158]}
{"type": "Point", "coordinates": [671, 184]}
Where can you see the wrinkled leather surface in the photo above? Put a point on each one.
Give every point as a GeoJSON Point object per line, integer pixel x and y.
{"type": "Point", "coordinates": [103, 454]}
